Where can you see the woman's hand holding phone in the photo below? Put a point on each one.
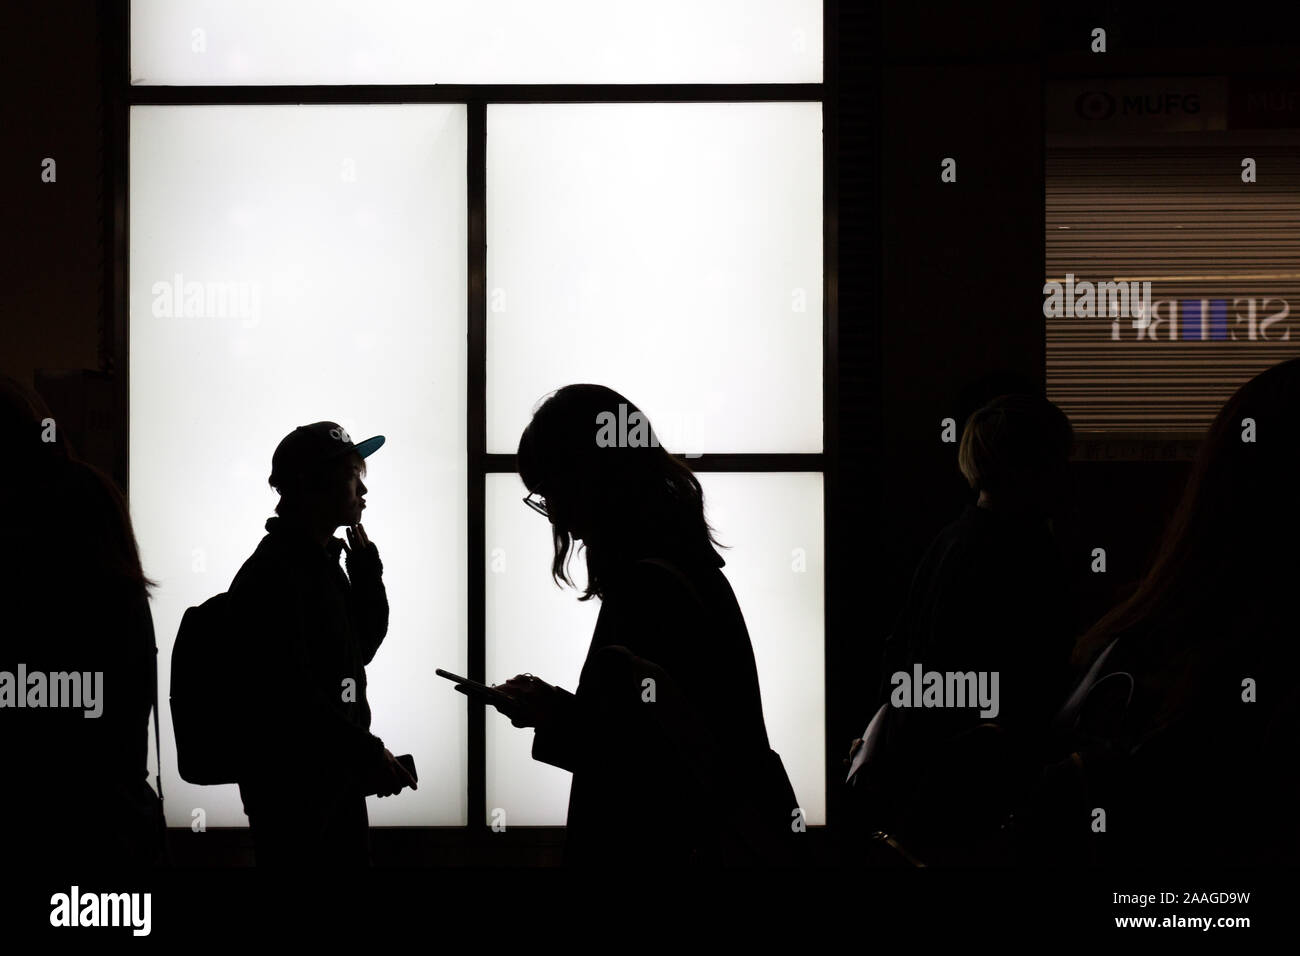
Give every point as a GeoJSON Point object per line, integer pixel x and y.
{"type": "Point", "coordinates": [528, 701]}
{"type": "Point", "coordinates": [525, 699]}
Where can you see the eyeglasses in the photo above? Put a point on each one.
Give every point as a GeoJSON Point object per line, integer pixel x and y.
{"type": "Point", "coordinates": [539, 505]}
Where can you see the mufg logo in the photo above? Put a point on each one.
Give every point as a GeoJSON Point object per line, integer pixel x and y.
{"type": "Point", "coordinates": [1100, 105]}
{"type": "Point", "coordinates": [1246, 319]}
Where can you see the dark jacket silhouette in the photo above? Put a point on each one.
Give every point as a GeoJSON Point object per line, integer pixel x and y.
{"type": "Point", "coordinates": [311, 632]}
{"type": "Point", "coordinates": [687, 777]}
{"type": "Point", "coordinates": [989, 595]}
{"type": "Point", "coordinates": [665, 733]}
{"type": "Point", "coordinates": [76, 788]}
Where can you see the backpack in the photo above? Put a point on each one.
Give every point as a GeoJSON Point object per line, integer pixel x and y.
{"type": "Point", "coordinates": [207, 745]}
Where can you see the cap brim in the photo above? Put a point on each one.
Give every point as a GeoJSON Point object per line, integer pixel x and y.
{"type": "Point", "coordinates": [368, 447]}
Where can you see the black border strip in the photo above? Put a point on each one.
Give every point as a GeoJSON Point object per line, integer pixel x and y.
{"type": "Point", "coordinates": [487, 93]}
{"type": "Point", "coordinates": [812, 462]}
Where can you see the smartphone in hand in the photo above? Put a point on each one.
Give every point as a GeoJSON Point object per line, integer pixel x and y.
{"type": "Point", "coordinates": [407, 761]}
{"type": "Point", "coordinates": [490, 694]}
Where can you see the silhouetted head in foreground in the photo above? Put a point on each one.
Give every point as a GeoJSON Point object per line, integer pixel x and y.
{"type": "Point", "coordinates": [33, 449]}
{"type": "Point", "coordinates": [74, 522]}
{"type": "Point", "coordinates": [1229, 554]}
{"type": "Point", "coordinates": [1015, 453]}
{"type": "Point", "coordinates": [318, 473]}
{"type": "Point", "coordinates": [593, 459]}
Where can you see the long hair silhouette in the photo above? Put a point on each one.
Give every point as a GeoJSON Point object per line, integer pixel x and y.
{"type": "Point", "coordinates": [81, 518]}
{"type": "Point", "coordinates": [625, 500]}
{"type": "Point", "coordinates": [1228, 554]}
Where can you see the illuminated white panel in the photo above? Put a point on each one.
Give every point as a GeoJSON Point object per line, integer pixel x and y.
{"type": "Point", "coordinates": [235, 42]}
{"type": "Point", "coordinates": [773, 523]}
{"type": "Point", "coordinates": [670, 251]}
{"type": "Point", "coordinates": [533, 627]}
{"type": "Point", "coordinates": [341, 232]}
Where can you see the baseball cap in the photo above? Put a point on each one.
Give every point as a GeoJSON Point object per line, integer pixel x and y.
{"type": "Point", "coordinates": [308, 447]}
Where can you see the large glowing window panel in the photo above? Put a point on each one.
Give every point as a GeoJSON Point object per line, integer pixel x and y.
{"type": "Point", "coordinates": [291, 264]}
{"type": "Point", "coordinates": [672, 251]}
{"type": "Point", "coordinates": [272, 42]}
{"type": "Point", "coordinates": [773, 523]}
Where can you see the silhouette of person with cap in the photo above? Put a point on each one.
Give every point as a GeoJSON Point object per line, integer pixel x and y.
{"type": "Point", "coordinates": [310, 632]}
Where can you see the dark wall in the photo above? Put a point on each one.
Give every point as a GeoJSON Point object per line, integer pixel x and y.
{"type": "Point", "coordinates": [960, 312]}
{"type": "Point", "coordinates": [51, 246]}
{"type": "Point", "coordinates": [962, 268]}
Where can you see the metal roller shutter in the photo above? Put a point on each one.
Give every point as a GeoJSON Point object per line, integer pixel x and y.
{"type": "Point", "coordinates": [1223, 259]}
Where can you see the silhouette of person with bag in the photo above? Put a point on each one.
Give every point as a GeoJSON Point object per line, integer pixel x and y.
{"type": "Point", "coordinates": [311, 758]}
{"type": "Point", "coordinates": [665, 733]}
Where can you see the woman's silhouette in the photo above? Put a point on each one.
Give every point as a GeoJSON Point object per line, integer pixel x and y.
{"type": "Point", "coordinates": [665, 734]}
{"type": "Point", "coordinates": [76, 600]}
{"type": "Point", "coordinates": [1183, 732]}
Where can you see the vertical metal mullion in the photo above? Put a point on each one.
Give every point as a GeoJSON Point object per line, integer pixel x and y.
{"type": "Point", "coordinates": [476, 447]}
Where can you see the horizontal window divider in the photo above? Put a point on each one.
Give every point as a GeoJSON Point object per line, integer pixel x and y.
{"type": "Point", "coordinates": [480, 93]}
{"type": "Point", "coordinates": [742, 462]}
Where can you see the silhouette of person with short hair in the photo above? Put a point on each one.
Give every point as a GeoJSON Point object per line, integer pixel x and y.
{"type": "Point", "coordinates": [665, 733]}
{"type": "Point", "coordinates": [988, 597]}
{"type": "Point", "coordinates": [311, 757]}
